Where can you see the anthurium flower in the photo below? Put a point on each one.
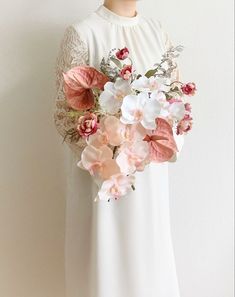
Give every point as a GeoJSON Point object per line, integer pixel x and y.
{"type": "Point", "coordinates": [162, 145]}
{"type": "Point", "coordinates": [140, 108]}
{"type": "Point", "coordinates": [78, 84]}
{"type": "Point", "coordinates": [111, 98]}
{"type": "Point", "coordinates": [116, 187]}
{"type": "Point", "coordinates": [99, 162]}
{"type": "Point", "coordinates": [151, 84]}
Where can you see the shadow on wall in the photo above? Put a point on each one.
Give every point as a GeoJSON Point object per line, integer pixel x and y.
{"type": "Point", "coordinates": [32, 175]}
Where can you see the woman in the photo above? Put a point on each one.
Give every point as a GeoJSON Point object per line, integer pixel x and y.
{"type": "Point", "coordinates": [122, 248]}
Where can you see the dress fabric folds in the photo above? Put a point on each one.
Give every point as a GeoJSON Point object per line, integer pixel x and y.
{"type": "Point", "coordinates": [119, 248]}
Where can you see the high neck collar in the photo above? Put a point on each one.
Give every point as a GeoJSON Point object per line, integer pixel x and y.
{"type": "Point", "coordinates": [114, 18]}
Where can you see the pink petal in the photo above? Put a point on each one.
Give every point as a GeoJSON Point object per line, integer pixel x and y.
{"type": "Point", "coordinates": [162, 144]}
{"type": "Point", "coordinates": [78, 83]}
{"type": "Point", "coordinates": [109, 168]}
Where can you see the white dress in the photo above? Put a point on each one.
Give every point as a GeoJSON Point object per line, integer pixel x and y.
{"type": "Point", "coordinates": [119, 248]}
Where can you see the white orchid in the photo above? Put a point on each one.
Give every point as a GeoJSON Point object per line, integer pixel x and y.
{"type": "Point", "coordinates": [140, 109]}
{"type": "Point", "coordinates": [177, 110]}
{"type": "Point", "coordinates": [161, 98]}
{"type": "Point", "coordinates": [111, 98]}
{"type": "Point", "coordinates": [151, 84]}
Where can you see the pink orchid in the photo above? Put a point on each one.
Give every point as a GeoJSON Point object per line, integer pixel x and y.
{"type": "Point", "coordinates": [162, 145]}
{"type": "Point", "coordinates": [78, 84]}
{"type": "Point", "coordinates": [135, 132]}
{"type": "Point", "coordinates": [111, 131]}
{"type": "Point", "coordinates": [116, 187]}
{"type": "Point", "coordinates": [133, 157]}
{"type": "Point", "coordinates": [99, 162]}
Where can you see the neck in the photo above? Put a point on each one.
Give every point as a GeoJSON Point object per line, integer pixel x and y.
{"type": "Point", "coordinates": [125, 8]}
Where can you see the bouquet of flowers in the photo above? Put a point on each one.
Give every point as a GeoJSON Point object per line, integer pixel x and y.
{"type": "Point", "coordinates": [126, 120]}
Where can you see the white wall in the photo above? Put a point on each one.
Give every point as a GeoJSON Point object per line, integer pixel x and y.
{"type": "Point", "coordinates": [32, 205]}
{"type": "Point", "coordinates": [201, 182]}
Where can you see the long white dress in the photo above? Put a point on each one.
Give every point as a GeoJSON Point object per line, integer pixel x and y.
{"type": "Point", "coordinates": [119, 248]}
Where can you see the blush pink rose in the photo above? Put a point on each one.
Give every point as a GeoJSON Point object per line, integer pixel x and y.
{"type": "Point", "coordinates": [185, 125]}
{"type": "Point", "coordinates": [122, 54]}
{"type": "Point", "coordinates": [78, 84]}
{"type": "Point", "coordinates": [189, 89]}
{"type": "Point", "coordinates": [126, 72]}
{"type": "Point", "coordinates": [162, 145]}
{"type": "Point", "coordinates": [87, 124]}
{"type": "Point", "coordinates": [188, 107]}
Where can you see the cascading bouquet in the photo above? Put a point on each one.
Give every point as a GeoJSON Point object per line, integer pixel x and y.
{"type": "Point", "coordinates": [126, 120]}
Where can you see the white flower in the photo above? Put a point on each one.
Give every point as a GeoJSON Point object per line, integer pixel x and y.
{"type": "Point", "coordinates": [111, 98]}
{"type": "Point", "coordinates": [161, 98]}
{"type": "Point", "coordinates": [151, 84]}
{"type": "Point", "coordinates": [140, 108]}
{"type": "Point", "coordinates": [177, 110]}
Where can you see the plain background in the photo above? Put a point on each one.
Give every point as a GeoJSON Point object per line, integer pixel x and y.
{"type": "Point", "coordinates": [32, 181]}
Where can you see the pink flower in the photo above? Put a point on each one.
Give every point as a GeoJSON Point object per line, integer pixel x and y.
{"type": "Point", "coordinates": [87, 124]}
{"type": "Point", "coordinates": [189, 89]}
{"type": "Point", "coordinates": [133, 157]}
{"type": "Point", "coordinates": [99, 162]}
{"type": "Point", "coordinates": [78, 84]}
{"type": "Point", "coordinates": [188, 107]}
{"type": "Point", "coordinates": [116, 187]}
{"type": "Point", "coordinates": [126, 72]}
{"type": "Point", "coordinates": [111, 131]}
{"type": "Point", "coordinates": [162, 145]}
{"type": "Point", "coordinates": [122, 54]}
{"type": "Point", "coordinates": [185, 125]}
{"type": "Point", "coordinates": [174, 100]}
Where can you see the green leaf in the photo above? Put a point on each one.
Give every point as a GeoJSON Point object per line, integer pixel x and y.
{"type": "Point", "coordinates": [151, 72]}
{"type": "Point", "coordinates": [116, 62]}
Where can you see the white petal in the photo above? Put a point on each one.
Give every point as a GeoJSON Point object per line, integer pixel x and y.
{"type": "Point", "coordinates": [123, 85]}
{"type": "Point", "coordinates": [109, 86]}
{"type": "Point", "coordinates": [152, 109]}
{"type": "Point", "coordinates": [142, 99]}
{"type": "Point", "coordinates": [177, 110]}
{"type": "Point", "coordinates": [108, 103]}
{"type": "Point", "coordinates": [149, 125]}
{"type": "Point", "coordinates": [128, 106]}
{"type": "Point", "coordinates": [141, 83]}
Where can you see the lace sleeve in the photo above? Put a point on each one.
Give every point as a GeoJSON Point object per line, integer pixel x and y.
{"type": "Point", "coordinates": [72, 52]}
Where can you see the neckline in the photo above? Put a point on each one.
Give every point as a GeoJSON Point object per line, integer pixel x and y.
{"type": "Point", "coordinates": [117, 19]}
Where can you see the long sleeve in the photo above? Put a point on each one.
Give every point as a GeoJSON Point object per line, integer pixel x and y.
{"type": "Point", "coordinates": [72, 52]}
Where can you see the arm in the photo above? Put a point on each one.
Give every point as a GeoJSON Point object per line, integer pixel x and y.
{"type": "Point", "coordinates": [72, 52]}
